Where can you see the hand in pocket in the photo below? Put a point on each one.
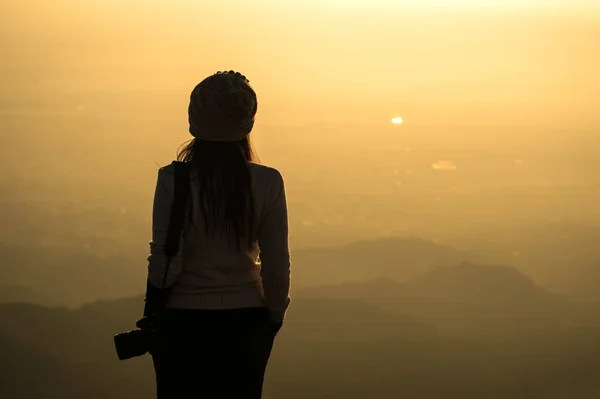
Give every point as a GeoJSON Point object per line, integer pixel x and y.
{"type": "Point", "coordinates": [274, 327]}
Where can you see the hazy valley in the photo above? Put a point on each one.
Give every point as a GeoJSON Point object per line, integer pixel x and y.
{"type": "Point", "coordinates": [452, 256]}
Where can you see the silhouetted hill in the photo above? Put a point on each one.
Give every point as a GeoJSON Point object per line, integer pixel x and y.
{"type": "Point", "coordinates": [465, 282]}
{"type": "Point", "coordinates": [351, 320]}
{"type": "Point", "coordinates": [496, 301]}
{"type": "Point", "coordinates": [62, 353]}
{"type": "Point", "coordinates": [67, 276]}
{"type": "Point", "coordinates": [478, 284]}
{"type": "Point", "coordinates": [92, 268]}
{"type": "Point", "coordinates": [563, 257]}
{"type": "Point", "coordinates": [398, 258]}
{"type": "Point", "coordinates": [15, 293]}
{"type": "Point", "coordinates": [329, 348]}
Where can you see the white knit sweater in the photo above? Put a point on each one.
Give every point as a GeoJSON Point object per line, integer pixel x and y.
{"type": "Point", "coordinates": [209, 274]}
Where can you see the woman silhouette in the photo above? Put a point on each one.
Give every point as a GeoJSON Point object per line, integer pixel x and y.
{"type": "Point", "coordinates": [223, 305]}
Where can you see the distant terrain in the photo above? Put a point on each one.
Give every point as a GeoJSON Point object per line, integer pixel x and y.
{"type": "Point", "coordinates": [95, 255]}
{"type": "Point", "coordinates": [452, 256]}
{"type": "Point", "coordinates": [344, 342]}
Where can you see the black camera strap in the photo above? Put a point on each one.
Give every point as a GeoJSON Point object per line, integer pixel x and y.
{"type": "Point", "coordinates": [157, 297]}
{"type": "Point", "coordinates": [180, 197]}
{"type": "Point", "coordinates": [136, 342]}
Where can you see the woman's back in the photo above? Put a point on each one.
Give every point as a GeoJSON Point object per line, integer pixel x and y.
{"type": "Point", "coordinates": [209, 273]}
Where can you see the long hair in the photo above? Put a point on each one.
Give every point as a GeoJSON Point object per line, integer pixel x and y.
{"type": "Point", "coordinates": [223, 176]}
{"type": "Point", "coordinates": [222, 167]}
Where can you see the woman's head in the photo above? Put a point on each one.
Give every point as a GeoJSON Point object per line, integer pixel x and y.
{"type": "Point", "coordinates": [222, 108]}
{"type": "Point", "coordinates": [221, 116]}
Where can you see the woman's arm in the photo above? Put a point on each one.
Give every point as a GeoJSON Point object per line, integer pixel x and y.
{"type": "Point", "coordinates": [274, 253]}
{"type": "Point", "coordinates": [158, 260]}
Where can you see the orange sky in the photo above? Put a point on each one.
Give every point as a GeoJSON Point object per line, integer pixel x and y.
{"type": "Point", "coordinates": [440, 62]}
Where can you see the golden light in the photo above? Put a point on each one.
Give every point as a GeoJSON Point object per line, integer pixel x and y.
{"type": "Point", "coordinates": [444, 165]}
{"type": "Point", "coordinates": [397, 121]}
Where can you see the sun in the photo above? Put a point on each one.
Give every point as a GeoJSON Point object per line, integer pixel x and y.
{"type": "Point", "coordinates": [397, 121]}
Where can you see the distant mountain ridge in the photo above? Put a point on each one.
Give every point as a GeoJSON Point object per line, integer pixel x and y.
{"type": "Point", "coordinates": [492, 301]}
{"type": "Point", "coordinates": [72, 276]}
{"type": "Point", "coordinates": [465, 281]}
{"type": "Point", "coordinates": [400, 258]}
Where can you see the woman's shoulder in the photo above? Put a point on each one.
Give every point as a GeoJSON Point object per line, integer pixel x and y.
{"type": "Point", "coordinates": [166, 174]}
{"type": "Point", "coordinates": [265, 172]}
{"type": "Point", "coordinates": [170, 168]}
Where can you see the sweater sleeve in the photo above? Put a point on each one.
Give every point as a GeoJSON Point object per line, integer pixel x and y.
{"type": "Point", "coordinates": [274, 253]}
{"type": "Point", "coordinates": [161, 215]}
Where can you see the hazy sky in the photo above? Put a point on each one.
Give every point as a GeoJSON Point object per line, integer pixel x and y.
{"type": "Point", "coordinates": [435, 61]}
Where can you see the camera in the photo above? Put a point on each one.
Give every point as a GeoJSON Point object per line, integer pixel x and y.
{"type": "Point", "coordinates": [132, 343]}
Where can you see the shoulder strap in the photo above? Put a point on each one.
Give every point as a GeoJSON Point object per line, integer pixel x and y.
{"type": "Point", "coordinates": [178, 208]}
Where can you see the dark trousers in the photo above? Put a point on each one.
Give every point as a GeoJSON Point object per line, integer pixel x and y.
{"type": "Point", "coordinates": [212, 354]}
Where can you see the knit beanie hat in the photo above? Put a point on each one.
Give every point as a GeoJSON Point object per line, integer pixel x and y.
{"type": "Point", "coordinates": [222, 107]}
